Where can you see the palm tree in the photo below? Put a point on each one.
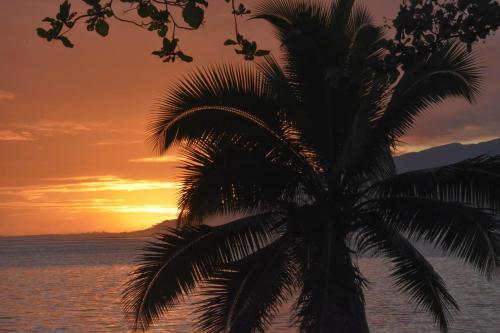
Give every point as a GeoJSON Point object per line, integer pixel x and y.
{"type": "Point", "coordinates": [301, 154]}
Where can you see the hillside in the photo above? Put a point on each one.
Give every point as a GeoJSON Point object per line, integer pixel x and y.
{"type": "Point", "coordinates": [446, 154]}
{"type": "Point", "coordinates": [157, 228]}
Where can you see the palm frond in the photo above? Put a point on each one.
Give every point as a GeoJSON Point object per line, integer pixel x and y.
{"type": "Point", "coordinates": [413, 274]}
{"type": "Point", "coordinates": [283, 90]}
{"type": "Point", "coordinates": [293, 113]}
{"type": "Point", "coordinates": [449, 72]}
{"type": "Point", "coordinates": [177, 261]}
{"type": "Point", "coordinates": [292, 13]}
{"type": "Point", "coordinates": [353, 147]}
{"type": "Point", "coordinates": [368, 156]}
{"type": "Point", "coordinates": [359, 18]}
{"type": "Point", "coordinates": [303, 29]}
{"type": "Point", "coordinates": [246, 296]}
{"type": "Point", "coordinates": [374, 164]}
{"type": "Point", "coordinates": [330, 49]}
{"type": "Point", "coordinates": [217, 101]}
{"type": "Point", "coordinates": [365, 52]}
{"type": "Point", "coordinates": [341, 16]}
{"type": "Point", "coordinates": [469, 233]}
{"type": "Point", "coordinates": [475, 182]}
{"type": "Point", "coordinates": [228, 176]}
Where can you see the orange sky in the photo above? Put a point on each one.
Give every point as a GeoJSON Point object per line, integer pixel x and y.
{"type": "Point", "coordinates": [74, 156]}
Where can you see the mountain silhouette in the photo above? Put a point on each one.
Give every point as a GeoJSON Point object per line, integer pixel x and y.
{"type": "Point", "coordinates": [446, 154]}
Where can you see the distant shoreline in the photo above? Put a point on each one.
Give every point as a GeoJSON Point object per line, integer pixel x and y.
{"type": "Point", "coordinates": [149, 232]}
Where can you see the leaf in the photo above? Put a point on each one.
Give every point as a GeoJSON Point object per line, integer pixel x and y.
{"type": "Point", "coordinates": [102, 28]}
{"type": "Point", "coordinates": [242, 10]}
{"type": "Point", "coordinates": [169, 46]}
{"type": "Point", "coordinates": [159, 16]}
{"type": "Point", "coordinates": [64, 11]}
{"type": "Point", "coordinates": [185, 57]}
{"type": "Point", "coordinates": [193, 15]}
{"type": "Point", "coordinates": [261, 53]}
{"type": "Point", "coordinates": [162, 31]}
{"type": "Point", "coordinates": [91, 2]}
{"type": "Point", "coordinates": [202, 2]}
{"type": "Point", "coordinates": [230, 42]}
{"type": "Point", "coordinates": [144, 10]}
{"type": "Point", "coordinates": [42, 33]}
{"type": "Point", "coordinates": [249, 48]}
{"type": "Point", "coordinates": [66, 42]}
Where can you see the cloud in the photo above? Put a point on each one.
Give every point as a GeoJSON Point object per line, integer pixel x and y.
{"type": "Point", "coordinates": [51, 127]}
{"type": "Point", "coordinates": [150, 209]}
{"type": "Point", "coordinates": [8, 135]}
{"type": "Point", "coordinates": [99, 205]}
{"type": "Point", "coordinates": [161, 159]}
{"type": "Point", "coordinates": [454, 121]}
{"type": "Point", "coordinates": [104, 194]}
{"type": "Point", "coordinates": [122, 142]}
{"type": "Point", "coordinates": [7, 96]}
{"type": "Point", "coordinates": [93, 184]}
{"type": "Point", "coordinates": [31, 131]}
{"type": "Point", "coordinates": [74, 185]}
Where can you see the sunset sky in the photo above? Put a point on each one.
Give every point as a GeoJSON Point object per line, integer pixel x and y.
{"type": "Point", "coordinates": [73, 151]}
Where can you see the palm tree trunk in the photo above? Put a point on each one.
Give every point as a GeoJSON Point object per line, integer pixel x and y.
{"type": "Point", "coordinates": [347, 316]}
{"type": "Point", "coordinates": [344, 308]}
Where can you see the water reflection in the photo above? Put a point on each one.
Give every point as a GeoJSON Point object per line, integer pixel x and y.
{"type": "Point", "coordinates": [46, 294]}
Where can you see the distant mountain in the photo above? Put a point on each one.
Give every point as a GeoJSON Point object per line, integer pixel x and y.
{"type": "Point", "coordinates": [157, 228]}
{"type": "Point", "coordinates": [446, 154]}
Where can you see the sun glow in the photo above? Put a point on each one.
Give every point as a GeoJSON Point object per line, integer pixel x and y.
{"type": "Point", "coordinates": [151, 209]}
{"type": "Point", "coordinates": [104, 203]}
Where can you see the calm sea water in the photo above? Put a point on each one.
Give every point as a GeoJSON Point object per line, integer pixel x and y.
{"type": "Point", "coordinates": [73, 284]}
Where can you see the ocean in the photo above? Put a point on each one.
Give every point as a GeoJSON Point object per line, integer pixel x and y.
{"type": "Point", "coordinates": [73, 284]}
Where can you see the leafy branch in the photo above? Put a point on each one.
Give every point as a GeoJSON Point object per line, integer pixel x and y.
{"type": "Point", "coordinates": [244, 47]}
{"type": "Point", "coordinates": [152, 15]}
{"type": "Point", "coordinates": [424, 26]}
{"type": "Point", "coordinates": [420, 28]}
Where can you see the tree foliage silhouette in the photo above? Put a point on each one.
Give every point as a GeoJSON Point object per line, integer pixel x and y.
{"type": "Point", "coordinates": [420, 26]}
{"type": "Point", "coordinates": [163, 17]}
{"type": "Point", "coordinates": [423, 26]}
{"type": "Point", "coordinates": [302, 149]}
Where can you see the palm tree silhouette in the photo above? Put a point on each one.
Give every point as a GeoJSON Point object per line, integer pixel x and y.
{"type": "Point", "coordinates": [302, 154]}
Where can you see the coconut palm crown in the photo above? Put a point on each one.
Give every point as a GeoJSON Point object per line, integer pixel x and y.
{"type": "Point", "coordinates": [301, 150]}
